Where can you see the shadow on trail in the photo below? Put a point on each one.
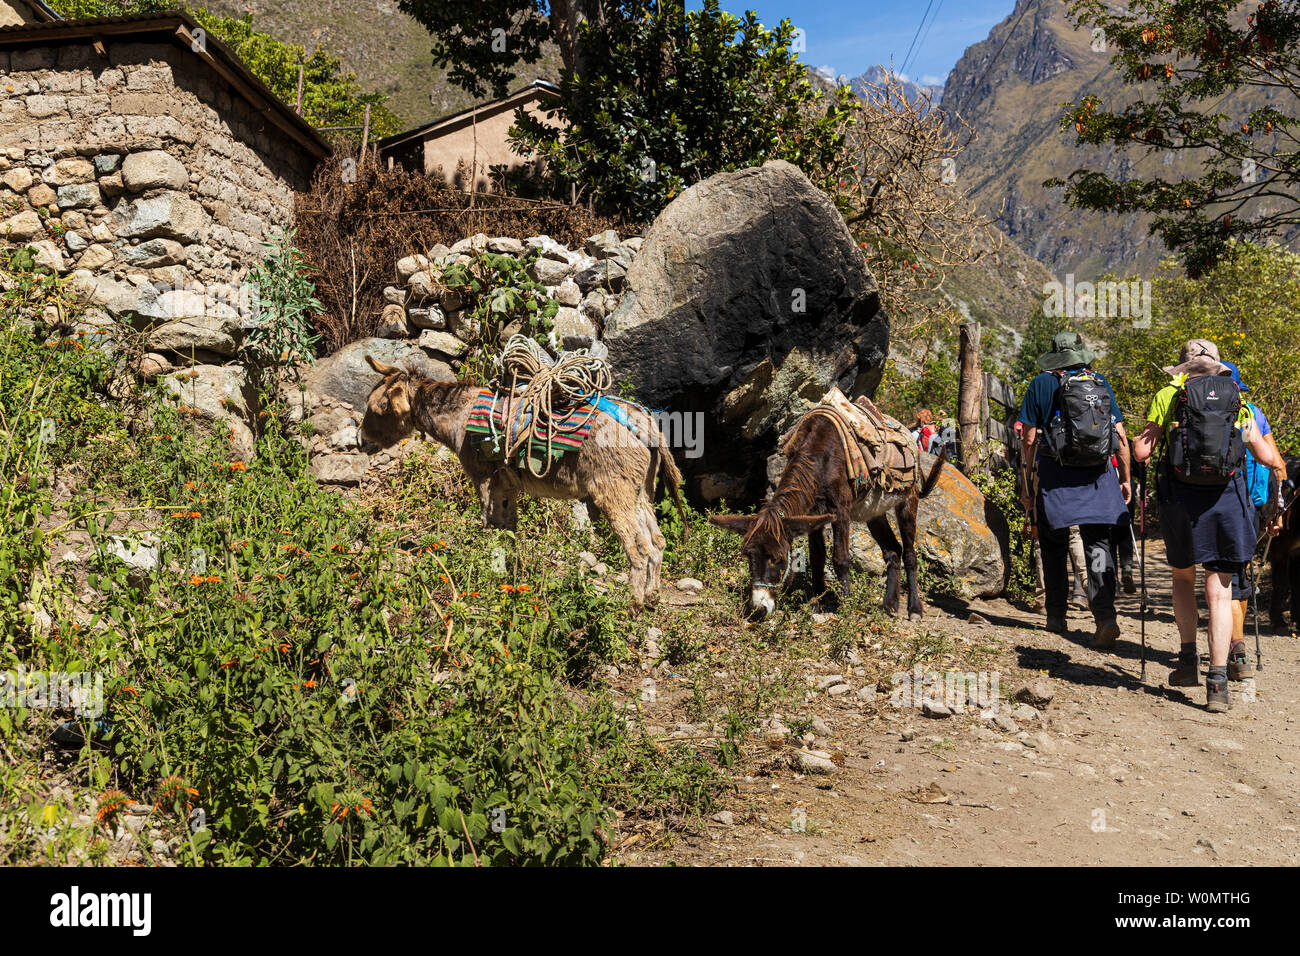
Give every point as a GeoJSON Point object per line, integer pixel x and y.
{"type": "Point", "coordinates": [1058, 664]}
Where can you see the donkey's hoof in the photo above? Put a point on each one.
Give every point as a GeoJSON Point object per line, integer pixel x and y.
{"type": "Point", "coordinates": [914, 617]}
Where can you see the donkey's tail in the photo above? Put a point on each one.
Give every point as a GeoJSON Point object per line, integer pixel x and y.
{"type": "Point", "coordinates": [932, 478]}
{"type": "Point", "coordinates": [668, 469]}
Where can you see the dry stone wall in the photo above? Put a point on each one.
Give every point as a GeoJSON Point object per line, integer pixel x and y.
{"type": "Point", "coordinates": [144, 181]}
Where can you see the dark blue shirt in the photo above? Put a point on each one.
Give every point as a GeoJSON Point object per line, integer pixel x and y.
{"type": "Point", "coordinates": [1070, 496]}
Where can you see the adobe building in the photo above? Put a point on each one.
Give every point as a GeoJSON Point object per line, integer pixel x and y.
{"type": "Point", "coordinates": [475, 139]}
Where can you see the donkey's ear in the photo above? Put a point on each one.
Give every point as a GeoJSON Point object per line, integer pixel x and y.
{"type": "Point", "coordinates": [380, 367]}
{"type": "Point", "coordinates": [737, 523]}
{"type": "Point", "coordinates": [802, 524]}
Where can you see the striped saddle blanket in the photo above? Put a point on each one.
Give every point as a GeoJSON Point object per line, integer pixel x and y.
{"type": "Point", "coordinates": [495, 419]}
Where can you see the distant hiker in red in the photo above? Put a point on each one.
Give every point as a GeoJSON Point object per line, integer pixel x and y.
{"type": "Point", "coordinates": [1072, 426]}
{"type": "Point", "coordinates": [1204, 428]}
{"type": "Point", "coordinates": [924, 430]}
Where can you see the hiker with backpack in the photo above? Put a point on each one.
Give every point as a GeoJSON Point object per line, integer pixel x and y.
{"type": "Point", "coordinates": [1072, 426]}
{"type": "Point", "coordinates": [1204, 429]}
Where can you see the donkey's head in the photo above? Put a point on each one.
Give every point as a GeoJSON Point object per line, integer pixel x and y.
{"type": "Point", "coordinates": [768, 535]}
{"type": "Point", "coordinates": [388, 417]}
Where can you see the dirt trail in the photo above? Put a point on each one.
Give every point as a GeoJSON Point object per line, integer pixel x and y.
{"type": "Point", "coordinates": [1113, 772]}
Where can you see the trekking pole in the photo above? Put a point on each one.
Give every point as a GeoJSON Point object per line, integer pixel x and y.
{"type": "Point", "coordinates": [1142, 520]}
{"type": "Point", "coordinates": [1254, 603]}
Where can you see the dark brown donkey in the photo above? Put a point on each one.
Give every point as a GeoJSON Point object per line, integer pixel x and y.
{"type": "Point", "coordinates": [815, 491]}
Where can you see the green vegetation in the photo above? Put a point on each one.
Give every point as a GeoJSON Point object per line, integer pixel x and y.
{"type": "Point", "coordinates": [670, 97]}
{"type": "Point", "coordinates": [1246, 304]}
{"type": "Point", "coordinates": [501, 299]}
{"type": "Point", "coordinates": [1186, 59]}
{"type": "Point", "coordinates": [328, 681]}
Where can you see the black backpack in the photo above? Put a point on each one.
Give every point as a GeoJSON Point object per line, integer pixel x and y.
{"type": "Point", "coordinates": [1205, 444]}
{"type": "Point", "coordinates": [1081, 433]}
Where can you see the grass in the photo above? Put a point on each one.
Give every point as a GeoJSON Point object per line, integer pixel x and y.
{"type": "Point", "coordinates": [318, 680]}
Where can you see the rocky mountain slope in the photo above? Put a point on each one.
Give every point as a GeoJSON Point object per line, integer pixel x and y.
{"type": "Point", "coordinates": [386, 49]}
{"type": "Point", "coordinates": [1011, 88]}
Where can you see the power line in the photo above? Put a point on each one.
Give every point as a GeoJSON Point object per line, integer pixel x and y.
{"type": "Point", "coordinates": [1005, 41]}
{"type": "Point", "coordinates": [921, 45]}
{"type": "Point", "coordinates": [917, 33]}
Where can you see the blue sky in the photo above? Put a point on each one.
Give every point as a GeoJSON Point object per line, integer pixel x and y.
{"type": "Point", "coordinates": [850, 35]}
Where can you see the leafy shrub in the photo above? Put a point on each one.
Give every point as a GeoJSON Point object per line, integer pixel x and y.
{"type": "Point", "coordinates": [1246, 304]}
{"type": "Point", "coordinates": [671, 97]}
{"type": "Point", "coordinates": [311, 684]}
{"type": "Point", "coordinates": [501, 300]}
{"type": "Point", "coordinates": [286, 306]}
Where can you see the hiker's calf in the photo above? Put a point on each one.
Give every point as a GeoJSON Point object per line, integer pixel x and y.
{"type": "Point", "coordinates": [1284, 564]}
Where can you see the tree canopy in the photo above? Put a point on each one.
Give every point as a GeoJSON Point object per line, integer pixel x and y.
{"type": "Point", "coordinates": [670, 97]}
{"type": "Point", "coordinates": [1217, 81]}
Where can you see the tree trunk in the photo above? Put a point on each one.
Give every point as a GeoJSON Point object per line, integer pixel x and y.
{"type": "Point", "coordinates": [566, 17]}
{"type": "Point", "coordinates": [970, 392]}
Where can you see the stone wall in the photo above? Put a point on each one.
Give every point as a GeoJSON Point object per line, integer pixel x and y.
{"type": "Point", "coordinates": [145, 181]}
{"type": "Point", "coordinates": [426, 328]}
{"type": "Point", "coordinates": [138, 166]}
{"type": "Point", "coordinates": [587, 283]}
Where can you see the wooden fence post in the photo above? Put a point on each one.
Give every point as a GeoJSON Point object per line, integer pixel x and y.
{"type": "Point", "coordinates": [970, 392]}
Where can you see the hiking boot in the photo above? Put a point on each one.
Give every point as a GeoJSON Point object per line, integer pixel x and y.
{"type": "Point", "coordinates": [1056, 624]}
{"type": "Point", "coordinates": [1106, 636]}
{"type": "Point", "coordinates": [1240, 666]}
{"type": "Point", "coordinates": [1187, 672]}
{"type": "Point", "coordinates": [1126, 578]}
{"type": "Point", "coordinates": [1217, 700]}
{"type": "Point", "coordinates": [1079, 599]}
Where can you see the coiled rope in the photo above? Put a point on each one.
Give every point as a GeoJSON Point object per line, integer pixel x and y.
{"type": "Point", "coordinates": [551, 389]}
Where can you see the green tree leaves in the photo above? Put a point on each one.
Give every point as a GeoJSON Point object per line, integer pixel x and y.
{"type": "Point", "coordinates": [1218, 88]}
{"type": "Point", "coordinates": [668, 98]}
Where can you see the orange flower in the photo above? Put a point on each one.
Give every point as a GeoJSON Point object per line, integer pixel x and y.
{"type": "Point", "coordinates": [506, 589]}
{"type": "Point", "coordinates": [238, 466]}
{"type": "Point", "coordinates": [523, 588]}
{"type": "Point", "coordinates": [111, 803]}
{"type": "Point", "coordinates": [196, 579]}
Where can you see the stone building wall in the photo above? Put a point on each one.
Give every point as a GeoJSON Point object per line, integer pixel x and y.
{"type": "Point", "coordinates": [138, 165]}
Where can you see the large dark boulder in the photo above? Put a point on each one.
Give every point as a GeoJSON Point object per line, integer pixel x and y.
{"type": "Point", "coordinates": [748, 300]}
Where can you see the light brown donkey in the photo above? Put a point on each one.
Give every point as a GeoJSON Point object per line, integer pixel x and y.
{"type": "Point", "coordinates": [612, 470]}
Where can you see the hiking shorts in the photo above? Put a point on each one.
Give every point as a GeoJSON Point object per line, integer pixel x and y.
{"type": "Point", "coordinates": [1212, 527]}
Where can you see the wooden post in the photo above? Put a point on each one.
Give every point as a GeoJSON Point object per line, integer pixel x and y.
{"type": "Point", "coordinates": [365, 133]}
{"type": "Point", "coordinates": [298, 105]}
{"type": "Point", "coordinates": [970, 392]}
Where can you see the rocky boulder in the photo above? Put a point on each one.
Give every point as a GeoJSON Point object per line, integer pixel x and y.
{"type": "Point", "coordinates": [959, 535]}
{"type": "Point", "coordinates": [345, 376]}
{"type": "Point", "coordinates": [748, 300]}
{"type": "Point", "coordinates": [221, 400]}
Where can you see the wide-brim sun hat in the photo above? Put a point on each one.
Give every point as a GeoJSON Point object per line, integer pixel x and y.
{"type": "Point", "coordinates": [1067, 351]}
{"type": "Point", "coordinates": [1202, 359]}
